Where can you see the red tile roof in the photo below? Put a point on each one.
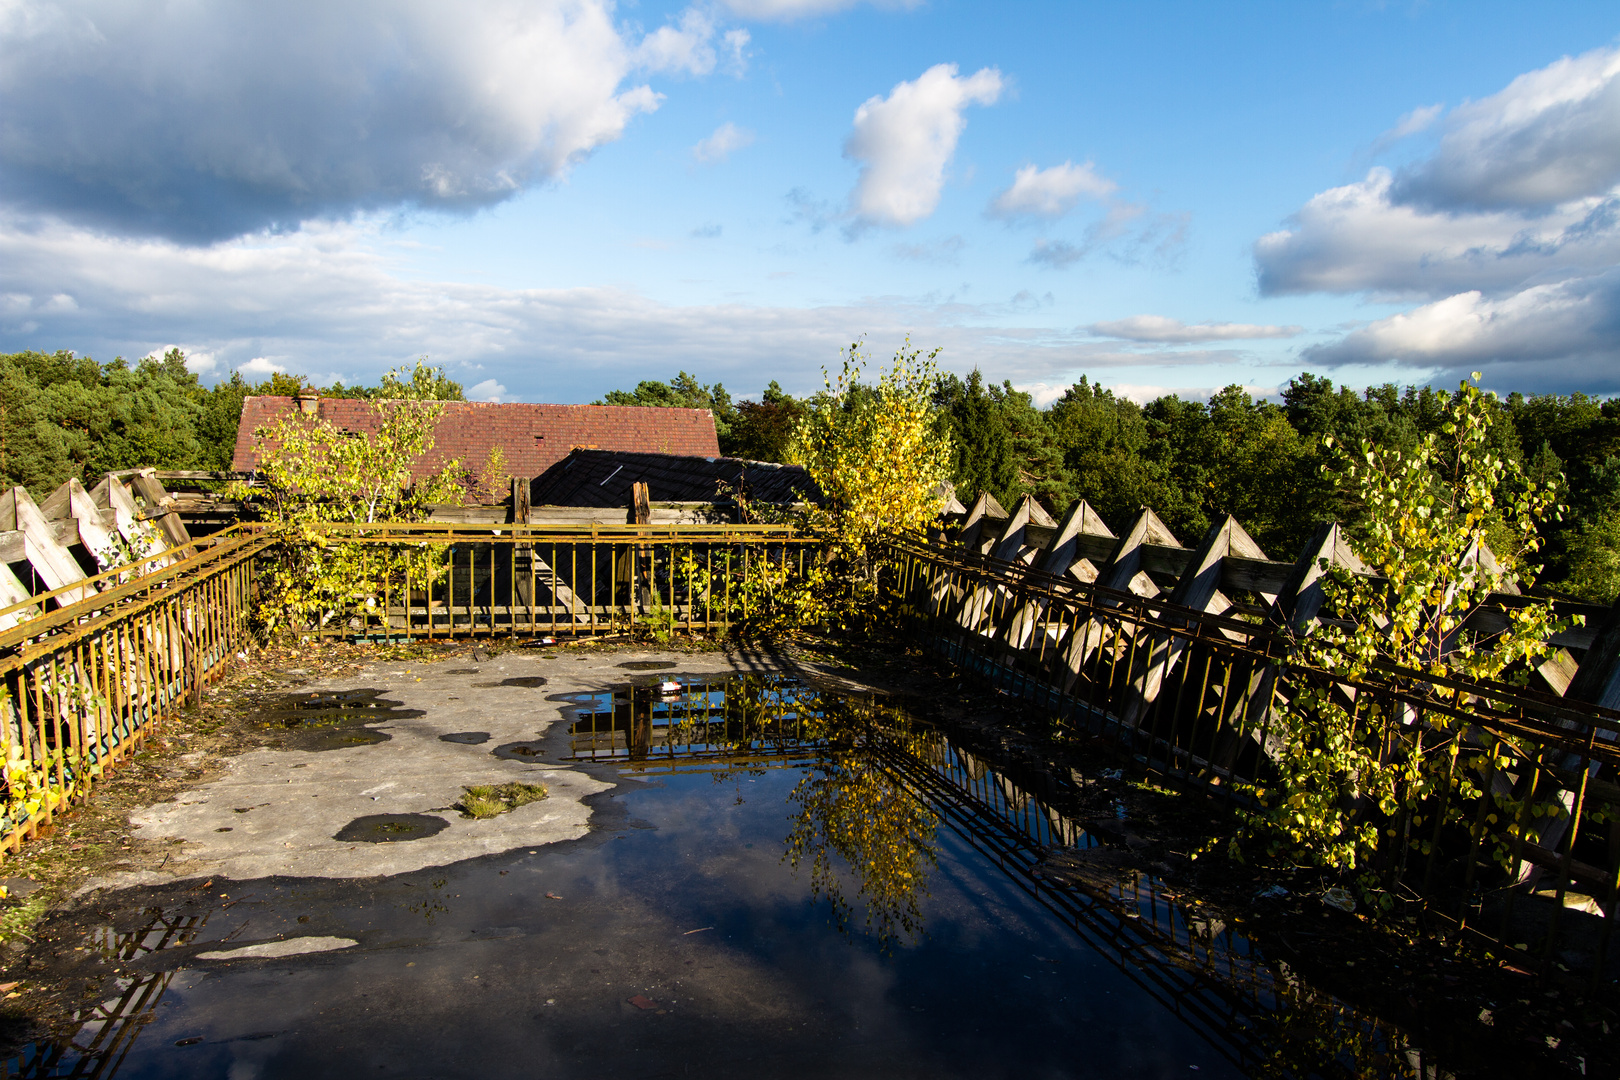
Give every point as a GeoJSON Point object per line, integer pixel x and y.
{"type": "Point", "coordinates": [533, 437]}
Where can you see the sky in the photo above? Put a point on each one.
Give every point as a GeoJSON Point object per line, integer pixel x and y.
{"type": "Point", "coordinates": [556, 198]}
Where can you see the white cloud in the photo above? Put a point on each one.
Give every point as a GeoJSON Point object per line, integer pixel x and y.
{"type": "Point", "coordinates": [736, 43]}
{"type": "Point", "coordinates": [786, 10]}
{"type": "Point", "coordinates": [260, 367]}
{"type": "Point", "coordinates": [1551, 136]}
{"type": "Point", "coordinates": [905, 140]}
{"type": "Point", "coordinates": [719, 146]}
{"type": "Point", "coordinates": [1419, 119]}
{"type": "Point", "coordinates": [1050, 193]}
{"type": "Point", "coordinates": [198, 362]}
{"type": "Point", "coordinates": [488, 390]}
{"type": "Point", "coordinates": [1510, 230]}
{"type": "Point", "coordinates": [202, 121]}
{"type": "Point", "coordinates": [1159, 328]}
{"type": "Point", "coordinates": [1128, 233]}
{"type": "Point", "coordinates": [340, 297]}
{"type": "Point", "coordinates": [1569, 320]}
{"type": "Point", "coordinates": [1358, 238]}
{"type": "Point", "coordinates": [686, 46]}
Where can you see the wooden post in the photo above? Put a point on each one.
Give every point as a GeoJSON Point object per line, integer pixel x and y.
{"type": "Point", "coordinates": [641, 514]}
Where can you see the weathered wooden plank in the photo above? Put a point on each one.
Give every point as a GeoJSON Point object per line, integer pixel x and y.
{"type": "Point", "coordinates": [1199, 589]}
{"type": "Point", "coordinates": [1300, 596]}
{"type": "Point", "coordinates": [146, 485]}
{"type": "Point", "coordinates": [143, 540]}
{"type": "Point", "coordinates": [1064, 550]}
{"type": "Point", "coordinates": [1014, 544]}
{"type": "Point", "coordinates": [1122, 571]}
{"type": "Point", "coordinates": [1598, 679]}
{"type": "Point", "coordinates": [52, 561]}
{"type": "Point", "coordinates": [12, 592]}
{"type": "Point", "coordinates": [71, 502]}
{"type": "Point", "coordinates": [1060, 557]}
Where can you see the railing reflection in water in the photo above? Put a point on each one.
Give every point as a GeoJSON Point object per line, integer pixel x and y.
{"type": "Point", "coordinates": [1251, 1008]}
{"type": "Point", "coordinates": [104, 1033]}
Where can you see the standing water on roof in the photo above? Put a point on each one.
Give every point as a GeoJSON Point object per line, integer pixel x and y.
{"type": "Point", "coordinates": [782, 882]}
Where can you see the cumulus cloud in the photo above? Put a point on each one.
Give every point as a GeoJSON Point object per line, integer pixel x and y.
{"type": "Point", "coordinates": [1575, 321]}
{"type": "Point", "coordinates": [718, 146]}
{"type": "Point", "coordinates": [342, 296]}
{"type": "Point", "coordinates": [1159, 328]}
{"type": "Point", "coordinates": [906, 140]}
{"type": "Point", "coordinates": [1050, 193]}
{"type": "Point", "coordinates": [488, 390]}
{"type": "Point", "coordinates": [1551, 136]}
{"type": "Point", "coordinates": [1509, 231]}
{"type": "Point", "coordinates": [202, 121]}
{"type": "Point", "coordinates": [1360, 238]}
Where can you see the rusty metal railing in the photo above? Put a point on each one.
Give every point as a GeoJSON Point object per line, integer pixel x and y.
{"type": "Point", "coordinates": [587, 579]}
{"type": "Point", "coordinates": [1195, 696]}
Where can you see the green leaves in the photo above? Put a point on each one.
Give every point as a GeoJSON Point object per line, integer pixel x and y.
{"type": "Point", "coordinates": [1436, 531]}
{"type": "Point", "coordinates": [313, 472]}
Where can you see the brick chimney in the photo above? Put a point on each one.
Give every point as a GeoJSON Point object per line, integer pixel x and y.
{"type": "Point", "coordinates": [309, 403]}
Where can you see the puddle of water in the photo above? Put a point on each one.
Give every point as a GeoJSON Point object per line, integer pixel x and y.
{"type": "Point", "coordinates": [784, 883]}
{"type": "Point", "coordinates": [332, 720]}
{"type": "Point", "coordinates": [391, 828]}
{"type": "Point", "coordinates": [529, 681]}
{"type": "Point", "coordinates": [467, 738]}
{"type": "Point", "coordinates": [648, 665]}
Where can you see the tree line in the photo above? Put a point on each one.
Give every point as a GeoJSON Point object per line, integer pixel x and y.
{"type": "Point", "coordinates": [64, 416]}
{"type": "Point", "coordinates": [1264, 462]}
{"type": "Point", "coordinates": [1268, 464]}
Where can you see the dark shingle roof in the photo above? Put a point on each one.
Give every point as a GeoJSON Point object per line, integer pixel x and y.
{"type": "Point", "coordinates": [533, 437]}
{"type": "Point", "coordinates": [603, 478]}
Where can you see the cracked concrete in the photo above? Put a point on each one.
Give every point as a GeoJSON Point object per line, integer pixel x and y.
{"type": "Point", "coordinates": [276, 812]}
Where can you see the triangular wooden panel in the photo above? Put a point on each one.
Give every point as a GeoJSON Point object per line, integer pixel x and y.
{"type": "Point", "coordinates": [1301, 596]}
{"type": "Point", "coordinates": [986, 511]}
{"type": "Point", "coordinates": [1145, 528]}
{"type": "Point", "coordinates": [141, 537]}
{"type": "Point", "coordinates": [54, 564]}
{"type": "Point", "coordinates": [73, 502]}
{"type": "Point", "coordinates": [1061, 554]}
{"type": "Point", "coordinates": [1014, 544]}
{"type": "Point", "coordinates": [1201, 583]}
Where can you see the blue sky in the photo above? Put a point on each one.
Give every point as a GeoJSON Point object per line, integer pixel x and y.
{"type": "Point", "coordinates": [553, 199]}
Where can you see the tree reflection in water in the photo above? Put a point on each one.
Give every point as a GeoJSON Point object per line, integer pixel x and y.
{"type": "Point", "coordinates": [856, 821]}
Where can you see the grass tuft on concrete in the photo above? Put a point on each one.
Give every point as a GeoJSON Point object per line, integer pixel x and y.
{"type": "Point", "coordinates": [488, 800]}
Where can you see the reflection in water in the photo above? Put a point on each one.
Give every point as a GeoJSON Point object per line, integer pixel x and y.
{"type": "Point", "coordinates": [102, 1035]}
{"type": "Point", "coordinates": [879, 797]}
{"type": "Point", "coordinates": [877, 788]}
{"type": "Point", "coordinates": [884, 834]}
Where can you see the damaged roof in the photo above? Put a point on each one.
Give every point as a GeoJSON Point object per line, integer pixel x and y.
{"type": "Point", "coordinates": [603, 478]}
